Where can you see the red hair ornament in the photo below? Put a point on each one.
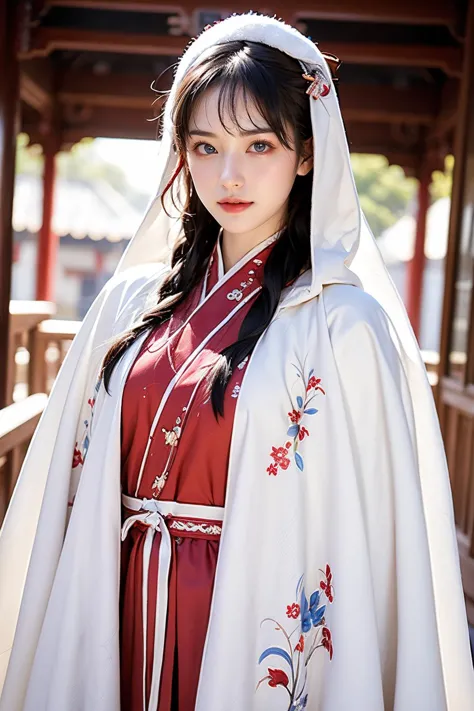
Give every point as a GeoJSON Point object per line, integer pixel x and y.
{"type": "Point", "coordinates": [320, 86]}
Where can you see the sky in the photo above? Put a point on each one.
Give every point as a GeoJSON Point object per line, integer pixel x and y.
{"type": "Point", "coordinates": [137, 158]}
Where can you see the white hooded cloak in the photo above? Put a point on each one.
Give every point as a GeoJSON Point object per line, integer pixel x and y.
{"type": "Point", "coordinates": [361, 521]}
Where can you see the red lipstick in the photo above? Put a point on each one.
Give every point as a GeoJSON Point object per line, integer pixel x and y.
{"type": "Point", "coordinates": [233, 204]}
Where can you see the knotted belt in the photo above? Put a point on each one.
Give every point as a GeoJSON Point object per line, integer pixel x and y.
{"type": "Point", "coordinates": [170, 518]}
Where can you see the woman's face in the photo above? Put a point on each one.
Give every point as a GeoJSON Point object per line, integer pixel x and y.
{"type": "Point", "coordinates": [248, 163]}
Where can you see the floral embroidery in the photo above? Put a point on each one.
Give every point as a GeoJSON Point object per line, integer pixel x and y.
{"type": "Point", "coordinates": [313, 633]}
{"type": "Point", "coordinates": [327, 641]}
{"type": "Point", "coordinates": [172, 436]}
{"type": "Point", "coordinates": [236, 391]}
{"type": "Point", "coordinates": [326, 585]}
{"type": "Point", "coordinates": [77, 457]}
{"type": "Point", "coordinates": [80, 452]}
{"type": "Point", "coordinates": [293, 611]}
{"type": "Point", "coordinates": [300, 646]}
{"type": "Point", "coordinates": [237, 294]}
{"type": "Point", "coordinates": [296, 429]}
{"type": "Point", "coordinates": [279, 456]}
{"type": "Point", "coordinates": [314, 383]}
{"type": "Point", "coordinates": [277, 678]}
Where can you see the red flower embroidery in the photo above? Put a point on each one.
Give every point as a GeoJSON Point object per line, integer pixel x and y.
{"type": "Point", "coordinates": [294, 416]}
{"type": "Point", "coordinates": [303, 433]}
{"type": "Point", "coordinates": [327, 641]}
{"type": "Point", "coordinates": [91, 402]}
{"type": "Point", "coordinates": [277, 678]}
{"type": "Point", "coordinates": [314, 383]}
{"type": "Point", "coordinates": [293, 610]}
{"type": "Point", "coordinates": [77, 458]}
{"type": "Point", "coordinates": [272, 469]}
{"type": "Point", "coordinates": [326, 585]}
{"type": "Point", "coordinates": [279, 456]}
{"type": "Point", "coordinates": [300, 646]}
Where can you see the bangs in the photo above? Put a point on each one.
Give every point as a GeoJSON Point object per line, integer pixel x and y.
{"type": "Point", "coordinates": [240, 79]}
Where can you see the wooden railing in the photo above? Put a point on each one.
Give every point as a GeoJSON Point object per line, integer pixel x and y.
{"type": "Point", "coordinates": [17, 425]}
{"type": "Point", "coordinates": [25, 317]}
{"type": "Point", "coordinates": [37, 347]}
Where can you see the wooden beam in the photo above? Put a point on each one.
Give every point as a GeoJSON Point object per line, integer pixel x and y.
{"type": "Point", "coordinates": [371, 104]}
{"type": "Point", "coordinates": [47, 39]}
{"type": "Point", "coordinates": [425, 12]}
{"type": "Point", "coordinates": [416, 266]}
{"type": "Point", "coordinates": [36, 84]}
{"type": "Point", "coordinates": [449, 59]}
{"type": "Point", "coordinates": [448, 115]}
{"type": "Point", "coordinates": [383, 139]}
{"type": "Point", "coordinates": [385, 104]}
{"type": "Point", "coordinates": [112, 90]}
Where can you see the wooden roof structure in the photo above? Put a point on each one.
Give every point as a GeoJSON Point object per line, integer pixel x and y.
{"type": "Point", "coordinates": [87, 66]}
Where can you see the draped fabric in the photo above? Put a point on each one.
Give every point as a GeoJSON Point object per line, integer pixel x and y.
{"type": "Point", "coordinates": [193, 448]}
{"type": "Point", "coordinates": [338, 534]}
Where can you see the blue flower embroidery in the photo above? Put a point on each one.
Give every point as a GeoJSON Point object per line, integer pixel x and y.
{"type": "Point", "coordinates": [296, 430]}
{"type": "Point", "coordinates": [312, 634]}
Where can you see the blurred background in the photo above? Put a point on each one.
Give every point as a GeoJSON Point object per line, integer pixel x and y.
{"type": "Point", "coordinates": [78, 147]}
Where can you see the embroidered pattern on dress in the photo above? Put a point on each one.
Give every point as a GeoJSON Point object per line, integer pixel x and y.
{"type": "Point", "coordinates": [237, 294]}
{"type": "Point", "coordinates": [311, 632]}
{"type": "Point", "coordinates": [80, 450]}
{"type": "Point", "coordinates": [172, 436]}
{"type": "Point", "coordinates": [192, 527]}
{"type": "Point", "coordinates": [236, 391]}
{"type": "Point", "coordinates": [297, 431]}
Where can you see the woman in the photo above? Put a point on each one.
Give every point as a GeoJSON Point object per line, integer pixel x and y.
{"type": "Point", "coordinates": [255, 427]}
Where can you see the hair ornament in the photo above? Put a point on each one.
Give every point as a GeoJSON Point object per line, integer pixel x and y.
{"type": "Point", "coordinates": [320, 86]}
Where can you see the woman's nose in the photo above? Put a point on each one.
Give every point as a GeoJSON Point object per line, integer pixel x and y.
{"type": "Point", "coordinates": [231, 176]}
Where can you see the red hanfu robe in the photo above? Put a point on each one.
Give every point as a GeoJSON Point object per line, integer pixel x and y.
{"type": "Point", "coordinates": [192, 448]}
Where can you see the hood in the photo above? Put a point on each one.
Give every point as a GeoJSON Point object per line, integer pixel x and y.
{"type": "Point", "coordinates": [335, 209]}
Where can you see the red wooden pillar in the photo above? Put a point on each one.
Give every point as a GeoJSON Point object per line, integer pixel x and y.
{"type": "Point", "coordinates": [48, 242]}
{"type": "Point", "coordinates": [416, 266]}
{"type": "Point", "coordinates": [9, 108]}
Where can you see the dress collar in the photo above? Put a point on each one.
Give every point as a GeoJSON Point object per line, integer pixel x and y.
{"type": "Point", "coordinates": [249, 255]}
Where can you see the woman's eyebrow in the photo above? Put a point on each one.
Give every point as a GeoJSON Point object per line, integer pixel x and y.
{"type": "Point", "coordinates": [249, 132]}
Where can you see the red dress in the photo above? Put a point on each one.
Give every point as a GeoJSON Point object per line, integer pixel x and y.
{"type": "Point", "coordinates": [186, 462]}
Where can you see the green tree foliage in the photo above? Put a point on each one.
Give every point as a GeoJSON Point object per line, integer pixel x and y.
{"type": "Point", "coordinates": [385, 192]}
{"type": "Point", "coordinates": [443, 181]}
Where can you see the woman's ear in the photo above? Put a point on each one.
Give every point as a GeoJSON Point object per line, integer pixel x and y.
{"type": "Point", "coordinates": [306, 161]}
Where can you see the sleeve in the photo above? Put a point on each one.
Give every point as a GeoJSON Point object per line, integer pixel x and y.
{"type": "Point", "coordinates": [416, 658]}
{"type": "Point", "coordinates": [37, 514]}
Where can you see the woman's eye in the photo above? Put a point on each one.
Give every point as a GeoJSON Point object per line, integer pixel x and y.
{"type": "Point", "coordinates": [205, 149]}
{"type": "Point", "coordinates": [261, 146]}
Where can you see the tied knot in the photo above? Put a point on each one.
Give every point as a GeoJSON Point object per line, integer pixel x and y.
{"type": "Point", "coordinates": [153, 519]}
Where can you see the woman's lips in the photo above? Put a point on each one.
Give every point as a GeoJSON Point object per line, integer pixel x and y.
{"type": "Point", "coordinates": [235, 206]}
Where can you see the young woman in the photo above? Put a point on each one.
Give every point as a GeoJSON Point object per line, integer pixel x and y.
{"type": "Point", "coordinates": [258, 514]}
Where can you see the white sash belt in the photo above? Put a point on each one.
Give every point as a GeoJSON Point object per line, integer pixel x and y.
{"type": "Point", "coordinates": [162, 516]}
